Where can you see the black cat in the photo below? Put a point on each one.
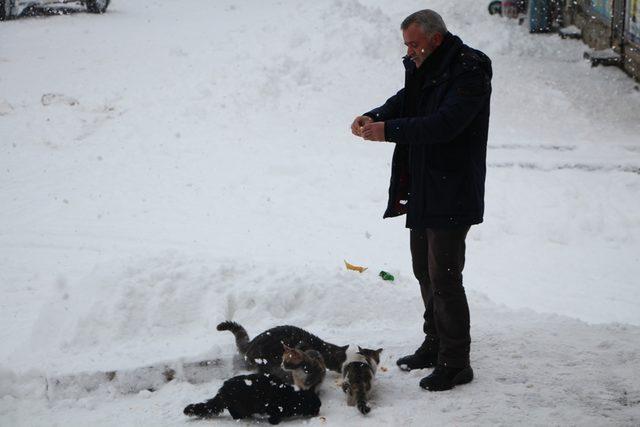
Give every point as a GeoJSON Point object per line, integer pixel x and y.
{"type": "Point", "coordinates": [264, 352]}
{"type": "Point", "coordinates": [246, 395]}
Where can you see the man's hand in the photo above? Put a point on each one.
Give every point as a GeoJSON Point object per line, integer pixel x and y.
{"type": "Point", "coordinates": [358, 124]}
{"type": "Point", "coordinates": [373, 131]}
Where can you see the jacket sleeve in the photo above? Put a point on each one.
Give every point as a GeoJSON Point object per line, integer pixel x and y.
{"type": "Point", "coordinates": [465, 98]}
{"type": "Point", "coordinates": [390, 110]}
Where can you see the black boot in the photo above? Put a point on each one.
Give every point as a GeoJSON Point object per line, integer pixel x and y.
{"type": "Point", "coordinates": [445, 378]}
{"type": "Point", "coordinates": [426, 356]}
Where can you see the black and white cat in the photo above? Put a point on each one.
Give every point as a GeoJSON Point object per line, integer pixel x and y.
{"type": "Point", "coordinates": [264, 352]}
{"type": "Point", "coordinates": [358, 372]}
{"type": "Point", "coordinates": [246, 395]}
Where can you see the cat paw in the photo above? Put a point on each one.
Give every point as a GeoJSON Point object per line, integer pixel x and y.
{"type": "Point", "coordinates": [274, 420]}
{"type": "Point", "coordinates": [195, 410]}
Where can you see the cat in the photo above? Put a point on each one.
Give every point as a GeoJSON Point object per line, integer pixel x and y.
{"type": "Point", "coordinates": [265, 351]}
{"type": "Point", "coordinates": [307, 368]}
{"type": "Point", "coordinates": [358, 372]}
{"type": "Point", "coordinates": [246, 395]}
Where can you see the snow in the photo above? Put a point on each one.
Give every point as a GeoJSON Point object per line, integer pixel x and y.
{"type": "Point", "coordinates": [194, 164]}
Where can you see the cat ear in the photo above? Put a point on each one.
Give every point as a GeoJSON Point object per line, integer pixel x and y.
{"type": "Point", "coordinates": [359, 349]}
{"type": "Point", "coordinates": [344, 348]}
{"type": "Point", "coordinates": [378, 351]}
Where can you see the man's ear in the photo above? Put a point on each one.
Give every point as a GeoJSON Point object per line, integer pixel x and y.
{"type": "Point", "coordinates": [437, 39]}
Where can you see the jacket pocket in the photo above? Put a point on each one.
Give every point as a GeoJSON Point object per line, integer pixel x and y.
{"type": "Point", "coordinates": [448, 193]}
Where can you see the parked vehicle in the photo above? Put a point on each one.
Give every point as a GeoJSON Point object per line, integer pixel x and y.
{"type": "Point", "coordinates": [11, 8]}
{"type": "Point", "coordinates": [508, 8]}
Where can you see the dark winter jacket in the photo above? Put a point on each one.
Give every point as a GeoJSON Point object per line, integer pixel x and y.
{"type": "Point", "coordinates": [439, 162]}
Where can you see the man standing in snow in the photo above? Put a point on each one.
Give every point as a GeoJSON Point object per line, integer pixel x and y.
{"type": "Point", "coordinates": [439, 122]}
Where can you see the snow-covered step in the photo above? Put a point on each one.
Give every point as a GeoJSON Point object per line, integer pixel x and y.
{"type": "Point", "coordinates": [570, 32]}
{"type": "Point", "coordinates": [606, 57]}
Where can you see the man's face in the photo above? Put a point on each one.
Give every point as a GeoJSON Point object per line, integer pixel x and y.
{"type": "Point", "coordinates": [420, 45]}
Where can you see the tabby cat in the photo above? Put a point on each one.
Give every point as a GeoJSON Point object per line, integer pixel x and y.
{"type": "Point", "coordinates": [306, 367]}
{"type": "Point", "coordinates": [358, 372]}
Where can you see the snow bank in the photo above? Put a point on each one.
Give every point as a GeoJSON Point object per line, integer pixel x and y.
{"type": "Point", "coordinates": [530, 369]}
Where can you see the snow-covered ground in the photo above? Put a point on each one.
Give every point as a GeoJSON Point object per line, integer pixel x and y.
{"type": "Point", "coordinates": [172, 164]}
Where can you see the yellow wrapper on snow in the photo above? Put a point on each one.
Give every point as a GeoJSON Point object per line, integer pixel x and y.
{"type": "Point", "coordinates": [354, 267]}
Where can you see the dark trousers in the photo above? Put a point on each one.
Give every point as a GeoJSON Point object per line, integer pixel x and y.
{"type": "Point", "coordinates": [438, 260]}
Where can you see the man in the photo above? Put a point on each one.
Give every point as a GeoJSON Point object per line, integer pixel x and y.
{"type": "Point", "coordinates": [439, 123]}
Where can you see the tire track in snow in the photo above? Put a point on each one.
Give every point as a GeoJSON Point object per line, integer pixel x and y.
{"type": "Point", "coordinates": [586, 167]}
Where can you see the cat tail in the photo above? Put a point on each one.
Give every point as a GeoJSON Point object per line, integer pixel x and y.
{"type": "Point", "coordinates": [361, 399]}
{"type": "Point", "coordinates": [242, 338]}
{"type": "Point", "coordinates": [207, 409]}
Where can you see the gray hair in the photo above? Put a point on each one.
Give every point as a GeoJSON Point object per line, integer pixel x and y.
{"type": "Point", "coordinates": [430, 22]}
